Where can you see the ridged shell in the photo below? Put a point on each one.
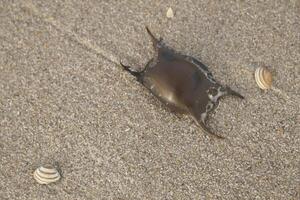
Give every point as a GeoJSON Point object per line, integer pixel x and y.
{"type": "Point", "coordinates": [263, 78]}
{"type": "Point", "coordinates": [46, 175]}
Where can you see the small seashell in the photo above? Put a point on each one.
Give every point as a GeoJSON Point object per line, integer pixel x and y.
{"type": "Point", "coordinates": [263, 78]}
{"type": "Point", "coordinates": [170, 13]}
{"type": "Point", "coordinates": [46, 175]}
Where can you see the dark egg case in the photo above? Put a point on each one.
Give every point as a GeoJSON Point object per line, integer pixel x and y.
{"type": "Point", "coordinates": [182, 83]}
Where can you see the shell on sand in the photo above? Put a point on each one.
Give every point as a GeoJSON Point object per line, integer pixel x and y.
{"type": "Point", "coordinates": [46, 175]}
{"type": "Point", "coordinates": [170, 13]}
{"type": "Point", "coordinates": [263, 78]}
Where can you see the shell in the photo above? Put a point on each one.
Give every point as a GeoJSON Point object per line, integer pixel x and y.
{"type": "Point", "coordinates": [263, 78]}
{"type": "Point", "coordinates": [170, 13]}
{"type": "Point", "coordinates": [46, 175]}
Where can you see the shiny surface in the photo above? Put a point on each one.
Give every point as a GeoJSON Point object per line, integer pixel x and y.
{"type": "Point", "coordinates": [181, 82]}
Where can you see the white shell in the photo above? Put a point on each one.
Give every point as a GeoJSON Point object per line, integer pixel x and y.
{"type": "Point", "coordinates": [263, 78]}
{"type": "Point", "coordinates": [170, 13]}
{"type": "Point", "coordinates": [46, 175]}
